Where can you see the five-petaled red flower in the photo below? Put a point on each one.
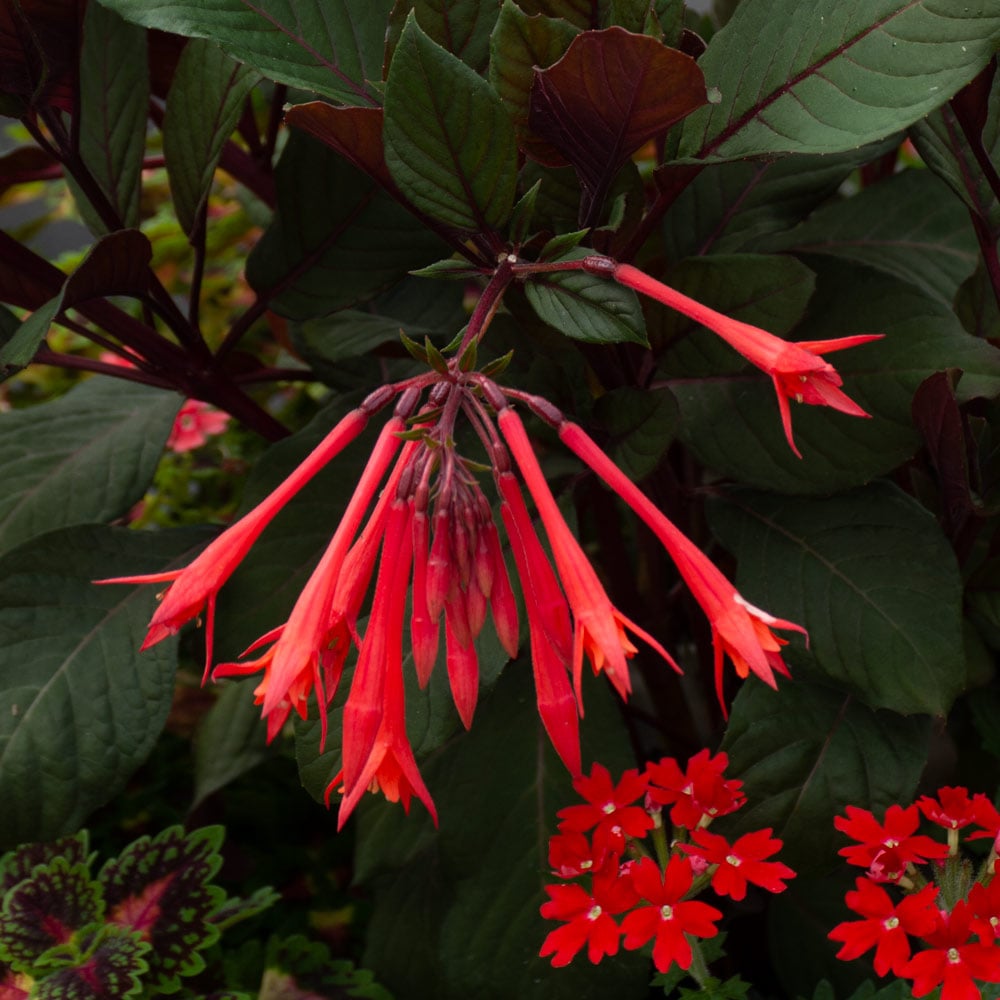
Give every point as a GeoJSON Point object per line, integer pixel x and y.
{"type": "Point", "coordinates": [741, 862]}
{"type": "Point", "coordinates": [699, 794]}
{"type": "Point", "coordinates": [896, 837]}
{"type": "Point", "coordinates": [609, 810]}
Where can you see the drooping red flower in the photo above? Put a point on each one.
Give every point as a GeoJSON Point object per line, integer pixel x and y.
{"type": "Point", "coordinates": [610, 810]}
{"type": "Point", "coordinates": [886, 925]}
{"type": "Point", "coordinates": [698, 794]}
{"type": "Point", "coordinates": [896, 834]}
{"type": "Point", "coordinates": [739, 630]}
{"type": "Point", "coordinates": [588, 917]}
{"type": "Point", "coordinates": [797, 369]}
{"type": "Point", "coordinates": [668, 917]}
{"type": "Point", "coordinates": [742, 862]}
{"type": "Point", "coordinates": [599, 627]}
{"type": "Point", "coordinates": [952, 961]}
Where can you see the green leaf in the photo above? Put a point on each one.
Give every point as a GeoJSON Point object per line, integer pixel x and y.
{"type": "Point", "coordinates": [823, 76]}
{"type": "Point", "coordinates": [118, 264]}
{"type": "Point", "coordinates": [909, 226]}
{"type": "Point", "coordinates": [336, 239]}
{"type": "Point", "coordinates": [731, 421]}
{"type": "Point", "coordinates": [161, 888]}
{"type": "Point", "coordinates": [231, 740]}
{"type": "Point", "coordinates": [449, 143]}
{"type": "Point", "coordinates": [47, 909]}
{"type": "Point", "coordinates": [74, 727]}
{"type": "Point", "coordinates": [299, 969]}
{"type": "Point", "coordinates": [99, 444]}
{"type": "Point", "coordinates": [641, 424]}
{"type": "Point", "coordinates": [461, 26]}
{"type": "Point", "coordinates": [729, 208]}
{"type": "Point", "coordinates": [203, 106]}
{"type": "Point", "coordinates": [239, 908]}
{"type": "Point", "coordinates": [519, 44]}
{"type": "Point", "coordinates": [870, 575]}
{"type": "Point", "coordinates": [463, 913]}
{"type": "Point", "coordinates": [332, 47]}
{"type": "Point", "coordinates": [112, 965]}
{"type": "Point", "coordinates": [587, 307]}
{"type": "Point", "coordinates": [114, 96]}
{"type": "Point", "coordinates": [807, 751]}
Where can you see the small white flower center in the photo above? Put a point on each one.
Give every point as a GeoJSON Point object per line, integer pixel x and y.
{"type": "Point", "coordinates": [666, 912]}
{"type": "Point", "coordinates": [731, 859]}
{"type": "Point", "coordinates": [608, 808]}
{"type": "Point", "coordinates": [891, 924]}
{"type": "Point", "coordinates": [595, 912]}
{"type": "Point", "coordinates": [953, 956]}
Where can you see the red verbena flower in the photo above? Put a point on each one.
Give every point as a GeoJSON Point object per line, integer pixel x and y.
{"type": "Point", "coordinates": [886, 926]}
{"type": "Point", "coordinates": [669, 917]}
{"type": "Point", "coordinates": [952, 808]}
{"type": "Point", "coordinates": [984, 900]}
{"type": "Point", "coordinates": [797, 369]}
{"type": "Point", "coordinates": [588, 917]}
{"type": "Point", "coordinates": [896, 834]}
{"type": "Point", "coordinates": [951, 960]}
{"type": "Point", "coordinates": [573, 854]}
{"type": "Point", "coordinates": [609, 811]}
{"type": "Point", "coordinates": [741, 862]}
{"type": "Point", "coordinates": [699, 794]}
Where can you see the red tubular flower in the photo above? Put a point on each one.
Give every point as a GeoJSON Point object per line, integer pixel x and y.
{"type": "Point", "coordinates": [796, 368]}
{"type": "Point", "coordinates": [548, 627]}
{"type": "Point", "coordinates": [610, 808]}
{"type": "Point", "coordinates": [599, 627]}
{"type": "Point", "coordinates": [896, 834]}
{"type": "Point", "coordinates": [669, 918]}
{"type": "Point", "coordinates": [699, 794]}
{"type": "Point", "coordinates": [588, 917]}
{"type": "Point", "coordinates": [952, 961]}
{"type": "Point", "coordinates": [742, 862]}
{"type": "Point", "coordinates": [195, 587]}
{"type": "Point", "coordinates": [886, 925]}
{"type": "Point", "coordinates": [739, 630]}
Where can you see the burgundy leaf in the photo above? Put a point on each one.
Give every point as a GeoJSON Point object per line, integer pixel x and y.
{"type": "Point", "coordinates": [355, 133]}
{"type": "Point", "coordinates": [609, 94]}
{"type": "Point", "coordinates": [39, 40]}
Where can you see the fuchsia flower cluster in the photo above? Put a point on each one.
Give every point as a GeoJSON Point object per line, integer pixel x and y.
{"type": "Point", "coordinates": [615, 857]}
{"type": "Point", "coordinates": [937, 927]}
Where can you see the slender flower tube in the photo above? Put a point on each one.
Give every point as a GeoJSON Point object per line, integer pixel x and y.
{"type": "Point", "coordinates": [739, 630]}
{"type": "Point", "coordinates": [599, 627]}
{"type": "Point", "coordinates": [796, 368]}
{"type": "Point", "coordinates": [197, 585]}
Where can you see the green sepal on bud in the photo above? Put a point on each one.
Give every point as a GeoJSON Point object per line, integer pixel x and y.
{"type": "Point", "coordinates": [498, 365]}
{"type": "Point", "coordinates": [435, 358]}
{"type": "Point", "coordinates": [467, 360]}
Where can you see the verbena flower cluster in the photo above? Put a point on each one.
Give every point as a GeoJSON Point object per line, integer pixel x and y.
{"type": "Point", "coordinates": [930, 913]}
{"type": "Point", "coordinates": [624, 879]}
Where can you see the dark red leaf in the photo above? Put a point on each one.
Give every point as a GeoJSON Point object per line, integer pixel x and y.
{"type": "Point", "coordinates": [609, 94]}
{"type": "Point", "coordinates": [355, 133]}
{"type": "Point", "coordinates": [39, 41]}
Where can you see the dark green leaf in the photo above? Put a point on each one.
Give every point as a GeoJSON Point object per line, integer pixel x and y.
{"type": "Point", "coordinates": [807, 751]}
{"type": "Point", "coordinates": [641, 424]}
{"type": "Point", "coordinates": [731, 421]}
{"type": "Point", "coordinates": [461, 26]}
{"type": "Point", "coordinates": [74, 727]}
{"type": "Point", "coordinates": [98, 444]}
{"type": "Point", "coordinates": [587, 307]}
{"type": "Point", "coordinates": [872, 578]}
{"type": "Point", "coordinates": [298, 969]}
{"type": "Point", "coordinates": [203, 106]}
{"type": "Point", "coordinates": [161, 887]}
{"type": "Point", "coordinates": [332, 47]}
{"type": "Point", "coordinates": [449, 143]}
{"type": "Point", "coordinates": [238, 908]}
{"type": "Point", "coordinates": [337, 237]}
{"type": "Point", "coordinates": [114, 95]}
{"type": "Point", "coordinates": [231, 740]}
{"type": "Point", "coordinates": [355, 133]}
{"type": "Point", "coordinates": [583, 14]}
{"type": "Point", "coordinates": [118, 264]}
{"type": "Point", "coordinates": [519, 44]}
{"type": "Point", "coordinates": [823, 76]}
{"type": "Point", "coordinates": [909, 226]}
{"type": "Point", "coordinates": [47, 909]}
{"type": "Point", "coordinates": [463, 913]}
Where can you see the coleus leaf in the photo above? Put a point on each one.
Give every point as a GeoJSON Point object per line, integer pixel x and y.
{"type": "Point", "coordinates": [18, 864]}
{"type": "Point", "coordinates": [160, 887]}
{"type": "Point", "coordinates": [609, 94]}
{"type": "Point", "coordinates": [299, 969]}
{"type": "Point", "coordinates": [112, 967]}
{"type": "Point", "coordinates": [47, 910]}
{"type": "Point", "coordinates": [238, 908]}
{"type": "Point", "coordinates": [823, 76]}
{"type": "Point", "coordinates": [118, 264]}
{"type": "Point", "coordinates": [449, 143]}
